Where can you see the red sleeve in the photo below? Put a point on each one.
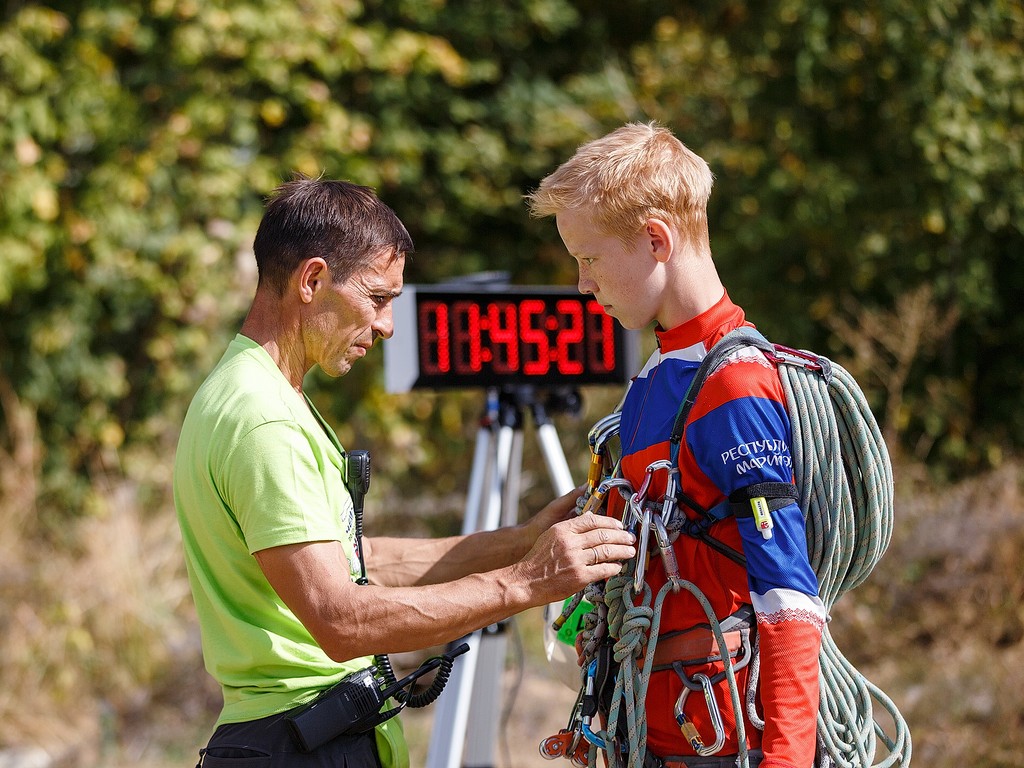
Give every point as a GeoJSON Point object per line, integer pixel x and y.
{"type": "Point", "coordinates": [789, 691]}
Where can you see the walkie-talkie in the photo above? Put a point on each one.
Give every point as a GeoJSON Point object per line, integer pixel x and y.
{"type": "Point", "coordinates": [358, 480]}
{"type": "Point", "coordinates": [356, 704]}
{"type": "Point", "coordinates": [358, 483]}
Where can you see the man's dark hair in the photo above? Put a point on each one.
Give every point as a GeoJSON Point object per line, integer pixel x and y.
{"type": "Point", "coordinates": [345, 224]}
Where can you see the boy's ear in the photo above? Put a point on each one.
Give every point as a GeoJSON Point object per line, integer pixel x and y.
{"type": "Point", "coordinates": [660, 239]}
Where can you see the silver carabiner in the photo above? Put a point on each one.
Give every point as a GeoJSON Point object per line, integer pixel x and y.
{"type": "Point", "coordinates": [605, 424]}
{"type": "Point", "coordinates": [643, 514]}
{"type": "Point", "coordinates": [625, 490]}
{"type": "Point", "coordinates": [600, 437]}
{"type": "Point", "coordinates": [669, 503]}
{"type": "Point", "coordinates": [689, 729]}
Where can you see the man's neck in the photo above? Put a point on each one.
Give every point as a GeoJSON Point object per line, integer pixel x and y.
{"type": "Point", "coordinates": [270, 325]}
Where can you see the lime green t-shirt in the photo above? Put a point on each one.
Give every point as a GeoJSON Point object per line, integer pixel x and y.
{"type": "Point", "coordinates": [257, 467]}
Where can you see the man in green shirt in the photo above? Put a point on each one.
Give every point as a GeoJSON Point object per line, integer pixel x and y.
{"type": "Point", "coordinates": [267, 521]}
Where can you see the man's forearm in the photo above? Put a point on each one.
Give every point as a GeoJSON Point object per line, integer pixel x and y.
{"type": "Point", "coordinates": [398, 562]}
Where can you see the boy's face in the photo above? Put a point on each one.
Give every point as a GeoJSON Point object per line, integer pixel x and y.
{"type": "Point", "coordinates": [627, 280]}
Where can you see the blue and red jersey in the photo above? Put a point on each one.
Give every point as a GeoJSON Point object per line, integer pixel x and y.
{"type": "Point", "coordinates": [737, 434]}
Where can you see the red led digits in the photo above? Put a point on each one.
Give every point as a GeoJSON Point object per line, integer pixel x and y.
{"type": "Point", "coordinates": [569, 342]}
{"type": "Point", "coordinates": [435, 350]}
{"type": "Point", "coordinates": [600, 339]}
{"type": "Point", "coordinates": [465, 327]}
{"type": "Point", "coordinates": [536, 347]}
{"type": "Point", "coordinates": [503, 330]}
{"type": "Point", "coordinates": [542, 337]}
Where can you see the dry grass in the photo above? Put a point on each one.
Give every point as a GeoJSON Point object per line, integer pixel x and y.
{"type": "Point", "coordinates": [940, 624]}
{"type": "Point", "coordinates": [101, 663]}
{"type": "Point", "coordinates": [99, 638]}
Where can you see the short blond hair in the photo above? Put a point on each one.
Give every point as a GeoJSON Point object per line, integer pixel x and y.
{"type": "Point", "coordinates": [634, 173]}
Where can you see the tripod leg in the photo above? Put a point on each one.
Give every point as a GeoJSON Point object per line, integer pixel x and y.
{"type": "Point", "coordinates": [485, 717]}
{"type": "Point", "coordinates": [512, 481]}
{"type": "Point", "coordinates": [451, 713]}
{"type": "Point", "coordinates": [554, 458]}
{"type": "Point", "coordinates": [471, 519]}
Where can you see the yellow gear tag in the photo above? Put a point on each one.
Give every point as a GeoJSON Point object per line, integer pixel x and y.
{"type": "Point", "coordinates": [762, 516]}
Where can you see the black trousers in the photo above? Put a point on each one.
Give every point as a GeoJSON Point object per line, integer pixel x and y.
{"type": "Point", "coordinates": [267, 743]}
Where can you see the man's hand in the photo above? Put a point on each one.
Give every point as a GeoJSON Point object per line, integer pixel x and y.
{"type": "Point", "coordinates": [573, 553]}
{"type": "Point", "coordinates": [562, 508]}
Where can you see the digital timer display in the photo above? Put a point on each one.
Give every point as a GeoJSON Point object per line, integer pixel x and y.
{"type": "Point", "coordinates": [546, 336]}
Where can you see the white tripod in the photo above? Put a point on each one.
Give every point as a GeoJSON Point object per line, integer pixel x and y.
{"type": "Point", "coordinates": [467, 715]}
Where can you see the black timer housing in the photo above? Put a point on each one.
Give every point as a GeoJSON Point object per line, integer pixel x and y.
{"type": "Point", "coordinates": [466, 335]}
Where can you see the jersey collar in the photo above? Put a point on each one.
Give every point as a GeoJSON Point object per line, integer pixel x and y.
{"type": "Point", "coordinates": [704, 329]}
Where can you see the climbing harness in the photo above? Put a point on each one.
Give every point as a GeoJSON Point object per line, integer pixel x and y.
{"type": "Point", "coordinates": [843, 486]}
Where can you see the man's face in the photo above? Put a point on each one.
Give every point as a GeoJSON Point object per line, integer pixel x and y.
{"type": "Point", "coordinates": [623, 278]}
{"type": "Point", "coordinates": [348, 317]}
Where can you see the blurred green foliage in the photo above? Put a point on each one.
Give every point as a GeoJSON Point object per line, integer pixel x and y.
{"type": "Point", "coordinates": [860, 153]}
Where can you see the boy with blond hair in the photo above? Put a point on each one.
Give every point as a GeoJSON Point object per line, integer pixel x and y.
{"type": "Point", "coordinates": [631, 209]}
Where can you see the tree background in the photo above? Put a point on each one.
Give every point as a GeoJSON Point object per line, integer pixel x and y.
{"type": "Point", "coordinates": [869, 204]}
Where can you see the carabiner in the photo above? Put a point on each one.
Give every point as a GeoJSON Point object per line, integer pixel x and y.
{"type": "Point", "coordinates": [596, 499]}
{"type": "Point", "coordinates": [670, 504]}
{"type": "Point", "coordinates": [669, 501]}
{"type": "Point", "coordinates": [643, 515]}
{"type": "Point", "coordinates": [642, 512]}
{"type": "Point", "coordinates": [604, 425]}
{"type": "Point", "coordinates": [598, 496]}
{"type": "Point", "coordinates": [585, 720]}
{"type": "Point", "coordinates": [639, 497]}
{"type": "Point", "coordinates": [687, 726]}
{"type": "Point", "coordinates": [668, 555]}
{"type": "Point", "coordinates": [603, 431]}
